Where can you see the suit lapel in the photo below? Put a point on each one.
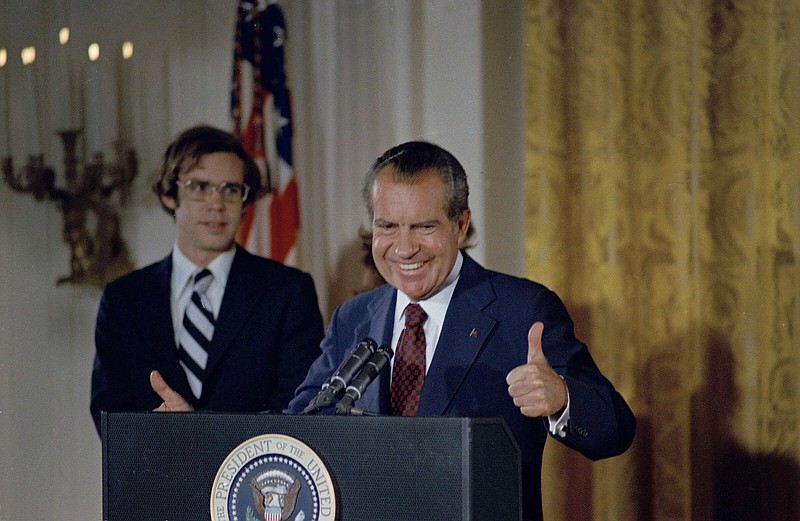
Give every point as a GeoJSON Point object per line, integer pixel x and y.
{"type": "Point", "coordinates": [158, 321]}
{"type": "Point", "coordinates": [378, 326]}
{"type": "Point", "coordinates": [242, 292]}
{"type": "Point", "coordinates": [464, 332]}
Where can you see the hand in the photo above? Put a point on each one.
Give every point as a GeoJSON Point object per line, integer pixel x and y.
{"type": "Point", "coordinates": [537, 390]}
{"type": "Point", "coordinates": [173, 402]}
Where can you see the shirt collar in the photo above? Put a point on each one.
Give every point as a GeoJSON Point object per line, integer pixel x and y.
{"type": "Point", "coordinates": [183, 269]}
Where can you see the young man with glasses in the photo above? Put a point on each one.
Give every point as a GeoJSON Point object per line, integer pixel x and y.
{"type": "Point", "coordinates": [228, 330]}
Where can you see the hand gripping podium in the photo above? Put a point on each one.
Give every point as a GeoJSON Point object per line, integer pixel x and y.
{"type": "Point", "coordinates": [250, 467]}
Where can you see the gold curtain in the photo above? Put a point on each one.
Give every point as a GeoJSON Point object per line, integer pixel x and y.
{"type": "Point", "coordinates": [663, 205]}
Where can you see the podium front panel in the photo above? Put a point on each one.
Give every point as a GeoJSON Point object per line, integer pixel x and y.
{"type": "Point", "coordinates": [162, 466]}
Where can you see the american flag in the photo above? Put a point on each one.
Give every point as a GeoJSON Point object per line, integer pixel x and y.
{"type": "Point", "coordinates": [259, 91]}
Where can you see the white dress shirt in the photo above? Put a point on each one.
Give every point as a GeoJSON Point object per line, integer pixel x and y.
{"type": "Point", "coordinates": [183, 272]}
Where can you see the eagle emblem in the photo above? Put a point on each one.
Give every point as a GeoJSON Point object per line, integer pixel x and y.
{"type": "Point", "coordinates": [275, 494]}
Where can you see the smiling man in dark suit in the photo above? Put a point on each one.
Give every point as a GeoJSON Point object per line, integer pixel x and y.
{"type": "Point", "coordinates": [490, 345]}
{"type": "Point", "coordinates": [227, 330]}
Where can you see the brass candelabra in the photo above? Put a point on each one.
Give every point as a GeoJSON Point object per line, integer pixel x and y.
{"type": "Point", "coordinates": [90, 204]}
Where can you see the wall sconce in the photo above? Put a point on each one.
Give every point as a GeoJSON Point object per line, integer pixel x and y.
{"type": "Point", "coordinates": [93, 191]}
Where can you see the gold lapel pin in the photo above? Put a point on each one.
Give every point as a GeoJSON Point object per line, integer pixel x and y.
{"type": "Point", "coordinates": [473, 333]}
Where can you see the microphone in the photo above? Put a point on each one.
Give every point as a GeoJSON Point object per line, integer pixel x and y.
{"type": "Point", "coordinates": [371, 370]}
{"type": "Point", "coordinates": [337, 383]}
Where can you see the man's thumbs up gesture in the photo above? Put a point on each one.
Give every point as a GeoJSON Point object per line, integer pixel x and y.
{"type": "Point", "coordinates": [536, 389]}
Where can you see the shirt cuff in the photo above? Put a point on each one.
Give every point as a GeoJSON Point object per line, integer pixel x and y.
{"type": "Point", "coordinates": [558, 424]}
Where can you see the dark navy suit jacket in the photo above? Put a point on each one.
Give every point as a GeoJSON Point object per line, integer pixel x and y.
{"type": "Point", "coordinates": [468, 371]}
{"type": "Point", "coordinates": [267, 335]}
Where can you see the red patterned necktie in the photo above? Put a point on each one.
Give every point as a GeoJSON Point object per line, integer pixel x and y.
{"type": "Point", "coordinates": [408, 374]}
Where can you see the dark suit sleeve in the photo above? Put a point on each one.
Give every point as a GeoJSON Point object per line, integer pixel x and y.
{"type": "Point", "coordinates": [300, 346]}
{"type": "Point", "coordinates": [111, 387]}
{"type": "Point", "coordinates": [601, 424]}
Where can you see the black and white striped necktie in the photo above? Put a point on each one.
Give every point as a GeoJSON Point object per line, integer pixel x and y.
{"type": "Point", "coordinates": [196, 334]}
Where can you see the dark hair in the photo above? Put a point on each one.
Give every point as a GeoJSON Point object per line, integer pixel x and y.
{"type": "Point", "coordinates": [410, 159]}
{"type": "Point", "coordinates": [189, 148]}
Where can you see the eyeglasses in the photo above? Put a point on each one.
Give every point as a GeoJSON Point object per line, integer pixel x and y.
{"type": "Point", "coordinates": [202, 190]}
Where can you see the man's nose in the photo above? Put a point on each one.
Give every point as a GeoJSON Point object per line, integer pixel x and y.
{"type": "Point", "coordinates": [215, 197]}
{"type": "Point", "coordinates": [406, 245]}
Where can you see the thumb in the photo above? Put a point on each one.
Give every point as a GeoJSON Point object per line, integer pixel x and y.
{"type": "Point", "coordinates": [159, 385]}
{"type": "Point", "coordinates": [535, 342]}
{"type": "Point", "coordinates": [172, 400]}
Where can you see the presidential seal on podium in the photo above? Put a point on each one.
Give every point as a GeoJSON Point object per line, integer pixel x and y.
{"type": "Point", "coordinates": [273, 477]}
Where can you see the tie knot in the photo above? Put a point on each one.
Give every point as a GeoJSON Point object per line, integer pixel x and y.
{"type": "Point", "coordinates": [415, 315]}
{"type": "Point", "coordinates": [202, 280]}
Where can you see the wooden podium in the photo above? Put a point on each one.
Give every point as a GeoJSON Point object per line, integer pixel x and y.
{"type": "Point", "coordinates": [164, 466]}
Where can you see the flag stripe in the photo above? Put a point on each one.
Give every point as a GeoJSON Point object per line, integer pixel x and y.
{"type": "Point", "coordinates": [261, 98]}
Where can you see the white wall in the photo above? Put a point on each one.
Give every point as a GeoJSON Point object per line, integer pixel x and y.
{"type": "Point", "coordinates": [365, 76]}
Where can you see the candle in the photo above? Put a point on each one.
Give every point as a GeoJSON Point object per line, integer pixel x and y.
{"type": "Point", "coordinates": [28, 56]}
{"type": "Point", "coordinates": [123, 91]}
{"type": "Point", "coordinates": [6, 99]}
{"type": "Point", "coordinates": [69, 79]}
{"type": "Point", "coordinates": [93, 122]}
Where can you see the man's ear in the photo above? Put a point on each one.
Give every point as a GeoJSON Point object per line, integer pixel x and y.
{"type": "Point", "coordinates": [169, 202]}
{"type": "Point", "coordinates": [463, 225]}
